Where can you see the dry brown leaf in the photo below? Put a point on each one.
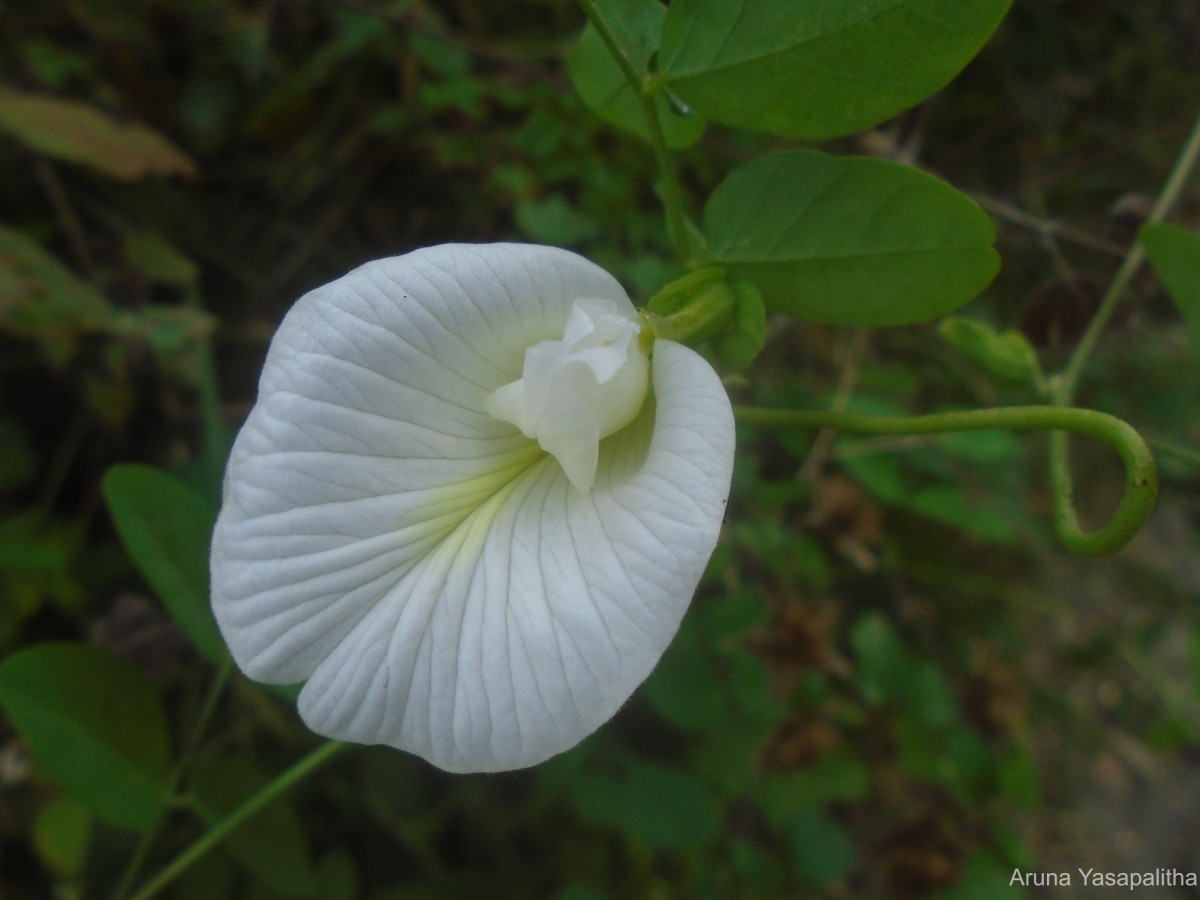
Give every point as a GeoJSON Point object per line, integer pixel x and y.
{"type": "Point", "coordinates": [846, 515]}
{"type": "Point", "coordinates": [78, 133]}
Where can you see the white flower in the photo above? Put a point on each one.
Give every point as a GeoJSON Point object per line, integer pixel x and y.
{"type": "Point", "coordinates": [578, 390]}
{"type": "Point", "coordinates": [457, 512]}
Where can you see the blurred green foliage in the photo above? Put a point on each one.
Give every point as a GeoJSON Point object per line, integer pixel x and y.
{"type": "Point", "coordinates": [889, 676]}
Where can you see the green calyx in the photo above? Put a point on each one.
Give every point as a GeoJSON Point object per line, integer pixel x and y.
{"type": "Point", "coordinates": [703, 306]}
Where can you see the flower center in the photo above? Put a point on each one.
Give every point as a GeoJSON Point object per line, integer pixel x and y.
{"type": "Point", "coordinates": [576, 391]}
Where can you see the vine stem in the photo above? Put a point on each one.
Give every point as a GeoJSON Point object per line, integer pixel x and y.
{"type": "Point", "coordinates": [1069, 379]}
{"type": "Point", "coordinates": [1066, 383]}
{"type": "Point", "coordinates": [1175, 451]}
{"type": "Point", "coordinates": [643, 89]}
{"type": "Point", "coordinates": [271, 791]}
{"type": "Point", "coordinates": [1141, 476]}
{"type": "Point", "coordinates": [193, 742]}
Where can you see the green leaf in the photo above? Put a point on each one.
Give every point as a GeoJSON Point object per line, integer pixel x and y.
{"type": "Point", "coordinates": [949, 504]}
{"type": "Point", "coordinates": [850, 241]}
{"type": "Point", "coordinates": [1175, 252]}
{"type": "Point", "coordinates": [208, 877]}
{"type": "Point", "coordinates": [880, 475]}
{"type": "Point", "coordinates": [1007, 355]}
{"type": "Point", "coordinates": [443, 58]}
{"type": "Point", "coordinates": [555, 221]}
{"type": "Point", "coordinates": [987, 447]}
{"type": "Point", "coordinates": [929, 698]}
{"type": "Point", "coordinates": [157, 258]}
{"type": "Point", "coordinates": [822, 68]}
{"type": "Point", "coordinates": [740, 346]}
{"type": "Point", "coordinates": [652, 804]}
{"type": "Point", "coordinates": [60, 834]}
{"type": "Point", "coordinates": [983, 878]}
{"type": "Point", "coordinates": [837, 777]}
{"type": "Point", "coordinates": [43, 297]}
{"type": "Point", "coordinates": [821, 848]}
{"type": "Point", "coordinates": [727, 615]}
{"type": "Point", "coordinates": [951, 757]}
{"type": "Point", "coordinates": [166, 527]}
{"type": "Point", "coordinates": [78, 133]}
{"type": "Point", "coordinates": [750, 684]}
{"type": "Point", "coordinates": [19, 462]}
{"type": "Point", "coordinates": [683, 687]}
{"type": "Point", "coordinates": [96, 726]}
{"type": "Point", "coordinates": [53, 64]}
{"type": "Point", "coordinates": [726, 758]}
{"type": "Point", "coordinates": [1019, 780]}
{"type": "Point", "coordinates": [45, 301]}
{"type": "Point", "coordinates": [882, 661]}
{"type": "Point", "coordinates": [337, 877]}
{"type": "Point", "coordinates": [637, 25]}
{"type": "Point", "coordinates": [271, 842]}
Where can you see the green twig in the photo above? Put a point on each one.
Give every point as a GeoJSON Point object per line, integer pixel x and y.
{"type": "Point", "coordinates": [181, 766]}
{"type": "Point", "coordinates": [1068, 381]}
{"type": "Point", "coordinates": [1141, 477]}
{"type": "Point", "coordinates": [1176, 451]}
{"type": "Point", "coordinates": [672, 195]}
{"type": "Point", "coordinates": [276, 788]}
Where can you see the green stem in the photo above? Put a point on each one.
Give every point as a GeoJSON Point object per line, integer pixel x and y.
{"type": "Point", "coordinates": [1141, 477]}
{"type": "Point", "coordinates": [206, 710]}
{"type": "Point", "coordinates": [276, 788]}
{"type": "Point", "coordinates": [672, 195]}
{"type": "Point", "coordinates": [1069, 380]}
{"type": "Point", "coordinates": [1177, 451]}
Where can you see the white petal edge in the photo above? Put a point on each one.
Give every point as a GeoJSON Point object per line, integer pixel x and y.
{"type": "Point", "coordinates": [441, 586]}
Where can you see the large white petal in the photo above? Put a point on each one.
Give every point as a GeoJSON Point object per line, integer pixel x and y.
{"type": "Point", "coordinates": [425, 566]}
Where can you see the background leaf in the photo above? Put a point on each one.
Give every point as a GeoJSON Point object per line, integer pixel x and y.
{"type": "Point", "coordinates": [1007, 355]}
{"type": "Point", "coordinates": [821, 848]}
{"type": "Point", "coordinates": [78, 133]}
{"type": "Point", "coordinates": [60, 834]}
{"type": "Point", "coordinates": [850, 241]}
{"type": "Point", "coordinates": [41, 298]}
{"type": "Point", "coordinates": [739, 347]}
{"type": "Point", "coordinates": [1175, 252]}
{"type": "Point", "coordinates": [818, 69]}
{"type": "Point", "coordinates": [157, 258]}
{"type": "Point", "coordinates": [654, 804]}
{"type": "Point", "coordinates": [637, 25]}
{"type": "Point", "coordinates": [683, 687]}
{"type": "Point", "coordinates": [984, 878]}
{"type": "Point", "coordinates": [167, 527]}
{"type": "Point", "coordinates": [96, 726]}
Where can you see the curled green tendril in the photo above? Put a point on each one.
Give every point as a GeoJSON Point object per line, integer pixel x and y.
{"type": "Point", "coordinates": [1141, 475]}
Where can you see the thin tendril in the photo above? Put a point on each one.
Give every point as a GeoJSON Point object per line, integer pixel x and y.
{"type": "Point", "coordinates": [1141, 476]}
